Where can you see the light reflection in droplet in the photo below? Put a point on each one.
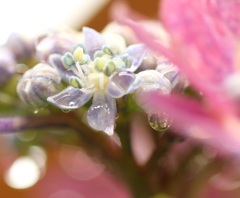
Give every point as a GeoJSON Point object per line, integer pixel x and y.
{"type": "Point", "coordinates": [159, 121]}
{"type": "Point", "coordinates": [23, 173]}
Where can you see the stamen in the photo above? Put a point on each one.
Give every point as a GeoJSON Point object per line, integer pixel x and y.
{"type": "Point", "coordinates": [78, 54]}
{"type": "Point", "coordinates": [76, 82]}
{"type": "Point", "coordinates": [68, 60]}
{"type": "Point", "coordinates": [101, 81]}
{"type": "Point", "coordinates": [98, 54]}
{"type": "Point", "coordinates": [109, 68]}
{"type": "Point", "coordinates": [127, 60]}
{"type": "Point", "coordinates": [78, 72]}
{"type": "Point", "coordinates": [109, 50]}
{"type": "Point", "coordinates": [118, 63]}
{"type": "Point", "coordinates": [100, 64]}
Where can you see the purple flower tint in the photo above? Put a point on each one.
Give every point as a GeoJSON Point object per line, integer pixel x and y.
{"type": "Point", "coordinates": [104, 77]}
{"type": "Point", "coordinates": [7, 65]}
{"type": "Point", "coordinates": [21, 46]}
{"type": "Point", "coordinates": [204, 39]}
{"type": "Point", "coordinates": [37, 84]}
{"type": "Point", "coordinates": [55, 42]}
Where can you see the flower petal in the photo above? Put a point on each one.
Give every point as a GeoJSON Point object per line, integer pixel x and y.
{"type": "Point", "coordinates": [102, 113]}
{"type": "Point", "coordinates": [137, 53]}
{"type": "Point", "coordinates": [55, 61]}
{"type": "Point", "coordinates": [122, 83]}
{"type": "Point", "coordinates": [152, 80]}
{"type": "Point", "coordinates": [70, 98]}
{"type": "Point", "coordinates": [192, 120]}
{"type": "Point", "coordinates": [228, 11]}
{"type": "Point", "coordinates": [196, 33]}
{"type": "Point", "coordinates": [93, 41]}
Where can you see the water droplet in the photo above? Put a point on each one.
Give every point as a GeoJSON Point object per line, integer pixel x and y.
{"type": "Point", "coordinates": [66, 110]}
{"type": "Point", "coordinates": [71, 104]}
{"type": "Point", "coordinates": [159, 121]}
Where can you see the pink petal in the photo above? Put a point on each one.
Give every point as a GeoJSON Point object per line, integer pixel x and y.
{"type": "Point", "coordinates": [187, 58]}
{"type": "Point", "coordinates": [196, 31]}
{"type": "Point", "coordinates": [190, 119]}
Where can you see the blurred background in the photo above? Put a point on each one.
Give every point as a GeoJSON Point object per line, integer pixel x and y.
{"type": "Point", "coordinates": [50, 164]}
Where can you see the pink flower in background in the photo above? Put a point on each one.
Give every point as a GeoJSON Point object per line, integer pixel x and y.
{"type": "Point", "coordinates": [204, 44]}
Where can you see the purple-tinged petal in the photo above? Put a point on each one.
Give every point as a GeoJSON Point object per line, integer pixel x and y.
{"type": "Point", "coordinates": [93, 41]}
{"type": "Point", "coordinates": [55, 61]}
{"type": "Point", "coordinates": [70, 98]}
{"type": "Point", "coordinates": [122, 83]}
{"type": "Point", "coordinates": [102, 113]}
{"type": "Point", "coordinates": [137, 53]}
{"type": "Point", "coordinates": [54, 44]}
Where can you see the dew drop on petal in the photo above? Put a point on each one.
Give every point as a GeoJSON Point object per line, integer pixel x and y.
{"type": "Point", "coordinates": [102, 113]}
{"type": "Point", "coordinates": [159, 121]}
{"type": "Point", "coordinates": [71, 104]}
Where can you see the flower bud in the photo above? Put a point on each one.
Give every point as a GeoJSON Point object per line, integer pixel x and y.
{"type": "Point", "coordinates": [21, 46]}
{"type": "Point", "coordinates": [54, 44]}
{"type": "Point", "coordinates": [37, 84]}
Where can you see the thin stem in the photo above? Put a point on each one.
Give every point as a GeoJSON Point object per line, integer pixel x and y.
{"type": "Point", "coordinates": [99, 141]}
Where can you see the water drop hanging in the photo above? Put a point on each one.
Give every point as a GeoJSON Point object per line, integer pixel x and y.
{"type": "Point", "coordinates": [159, 121]}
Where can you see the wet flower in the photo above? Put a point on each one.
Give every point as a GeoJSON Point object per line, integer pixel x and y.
{"type": "Point", "coordinates": [204, 44]}
{"type": "Point", "coordinates": [99, 70]}
{"type": "Point", "coordinates": [37, 84]}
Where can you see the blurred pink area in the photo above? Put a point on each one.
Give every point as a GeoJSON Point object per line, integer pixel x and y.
{"type": "Point", "coordinates": [70, 173]}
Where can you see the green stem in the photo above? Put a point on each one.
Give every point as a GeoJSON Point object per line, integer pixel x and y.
{"type": "Point", "coordinates": [130, 170]}
{"type": "Point", "coordinates": [95, 141]}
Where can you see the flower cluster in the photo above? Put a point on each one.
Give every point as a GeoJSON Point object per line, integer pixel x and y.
{"type": "Point", "coordinates": [99, 70]}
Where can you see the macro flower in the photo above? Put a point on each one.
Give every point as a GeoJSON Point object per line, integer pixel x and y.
{"type": "Point", "coordinates": [37, 84]}
{"type": "Point", "coordinates": [100, 70]}
{"type": "Point", "coordinates": [204, 45]}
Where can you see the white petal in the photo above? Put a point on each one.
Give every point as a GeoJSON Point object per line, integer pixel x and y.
{"type": "Point", "coordinates": [122, 83]}
{"type": "Point", "coordinates": [70, 98]}
{"type": "Point", "coordinates": [102, 113]}
{"type": "Point", "coordinates": [153, 80]}
{"type": "Point", "coordinates": [137, 53]}
{"type": "Point", "coordinates": [93, 41]}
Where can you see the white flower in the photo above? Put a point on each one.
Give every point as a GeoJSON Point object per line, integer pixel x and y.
{"type": "Point", "coordinates": [97, 70]}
